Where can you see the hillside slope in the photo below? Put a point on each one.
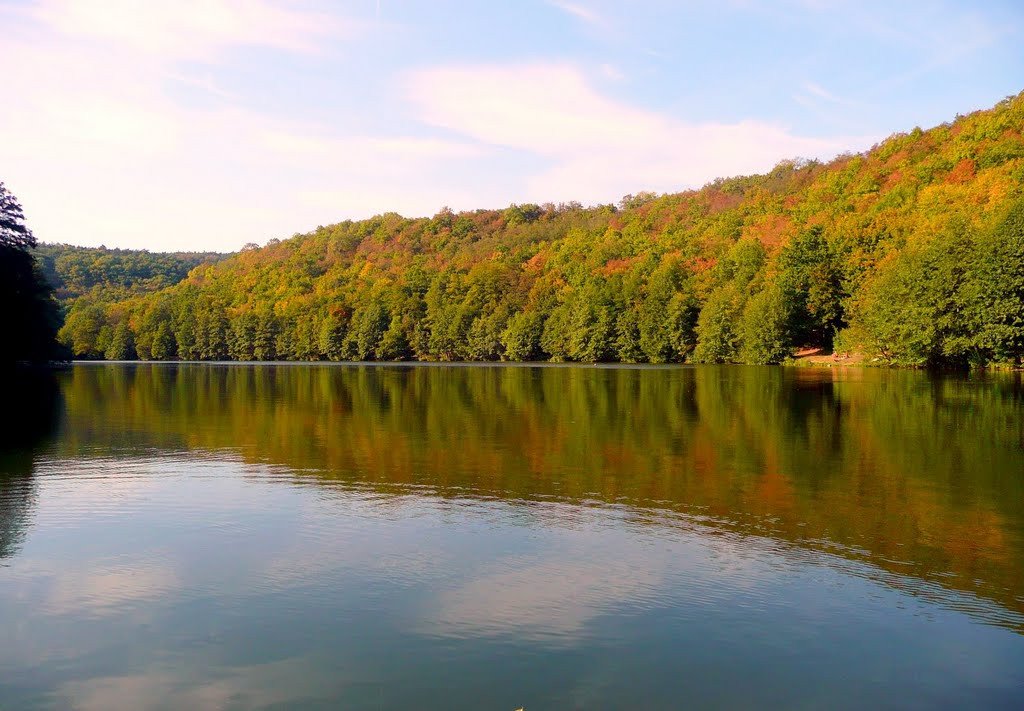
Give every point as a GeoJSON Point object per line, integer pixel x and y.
{"type": "Point", "coordinates": [114, 274]}
{"type": "Point", "coordinates": [912, 252]}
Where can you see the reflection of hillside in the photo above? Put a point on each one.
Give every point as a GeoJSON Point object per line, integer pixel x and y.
{"type": "Point", "coordinates": [17, 495]}
{"type": "Point", "coordinates": [920, 474]}
{"type": "Point", "coordinates": [33, 413]}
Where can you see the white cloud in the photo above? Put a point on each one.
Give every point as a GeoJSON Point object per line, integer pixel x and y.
{"type": "Point", "coordinates": [124, 130]}
{"type": "Point", "coordinates": [286, 683]}
{"type": "Point", "coordinates": [598, 148]}
{"type": "Point", "coordinates": [110, 590]}
{"type": "Point", "coordinates": [187, 29]}
{"type": "Point", "coordinates": [537, 598]}
{"type": "Point", "coordinates": [102, 148]}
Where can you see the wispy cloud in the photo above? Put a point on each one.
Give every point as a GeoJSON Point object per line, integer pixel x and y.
{"type": "Point", "coordinates": [99, 121]}
{"type": "Point", "coordinates": [949, 45]}
{"type": "Point", "coordinates": [931, 36]}
{"type": "Point", "coordinates": [185, 112]}
{"type": "Point", "coordinates": [611, 72]}
{"type": "Point", "coordinates": [205, 82]}
{"type": "Point", "coordinates": [285, 683]}
{"type": "Point", "coordinates": [597, 148]}
{"type": "Point", "coordinates": [580, 12]}
{"type": "Point", "coordinates": [189, 29]}
{"type": "Point", "coordinates": [546, 599]}
{"type": "Point", "coordinates": [823, 103]}
{"type": "Point", "coordinates": [821, 93]}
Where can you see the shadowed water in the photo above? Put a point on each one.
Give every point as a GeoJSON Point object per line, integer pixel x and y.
{"type": "Point", "coordinates": [439, 537]}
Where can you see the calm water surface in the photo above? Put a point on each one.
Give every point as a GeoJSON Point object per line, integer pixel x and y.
{"type": "Point", "coordinates": [430, 537]}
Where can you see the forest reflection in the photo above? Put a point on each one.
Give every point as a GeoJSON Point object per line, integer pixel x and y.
{"type": "Point", "coordinates": [917, 474]}
{"type": "Point", "coordinates": [34, 413]}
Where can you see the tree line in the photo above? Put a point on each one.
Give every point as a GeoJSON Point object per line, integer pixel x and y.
{"type": "Point", "coordinates": [911, 253]}
{"type": "Point", "coordinates": [113, 274]}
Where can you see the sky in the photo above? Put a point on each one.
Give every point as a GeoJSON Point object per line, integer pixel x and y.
{"type": "Point", "coordinates": [208, 124]}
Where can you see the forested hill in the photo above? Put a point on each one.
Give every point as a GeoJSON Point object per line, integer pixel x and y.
{"type": "Point", "coordinates": [114, 274]}
{"type": "Point", "coordinates": [912, 252]}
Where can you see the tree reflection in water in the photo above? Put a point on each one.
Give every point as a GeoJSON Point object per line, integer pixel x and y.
{"type": "Point", "coordinates": [916, 473]}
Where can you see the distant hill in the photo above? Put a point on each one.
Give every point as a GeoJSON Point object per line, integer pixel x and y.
{"type": "Point", "coordinates": [911, 253]}
{"type": "Point", "coordinates": [114, 274]}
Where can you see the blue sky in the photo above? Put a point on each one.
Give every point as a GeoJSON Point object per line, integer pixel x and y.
{"type": "Point", "coordinates": [206, 124]}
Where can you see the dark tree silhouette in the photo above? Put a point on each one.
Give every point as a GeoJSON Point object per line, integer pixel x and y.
{"type": "Point", "coordinates": [13, 231]}
{"type": "Point", "coordinates": [29, 316]}
{"type": "Point", "coordinates": [40, 407]}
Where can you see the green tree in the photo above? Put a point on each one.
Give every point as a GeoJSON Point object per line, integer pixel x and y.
{"type": "Point", "coordinates": [155, 314]}
{"type": "Point", "coordinates": [394, 342]}
{"type": "Point", "coordinates": [164, 346]}
{"type": "Point", "coordinates": [555, 340]}
{"type": "Point", "coordinates": [811, 279]}
{"type": "Point", "coordinates": [483, 342]}
{"type": "Point", "coordinates": [333, 331]}
{"type": "Point", "coordinates": [242, 337]}
{"type": "Point", "coordinates": [122, 343]}
{"type": "Point", "coordinates": [265, 343]}
{"type": "Point", "coordinates": [660, 336]}
{"type": "Point", "coordinates": [369, 326]}
{"type": "Point", "coordinates": [718, 339]}
{"type": "Point", "coordinates": [765, 328]}
{"type": "Point", "coordinates": [82, 332]}
{"type": "Point", "coordinates": [683, 310]}
{"type": "Point", "coordinates": [521, 337]}
{"type": "Point", "coordinates": [29, 318]}
{"type": "Point", "coordinates": [998, 304]}
{"type": "Point", "coordinates": [916, 311]}
{"type": "Point", "coordinates": [627, 337]}
{"type": "Point", "coordinates": [592, 333]}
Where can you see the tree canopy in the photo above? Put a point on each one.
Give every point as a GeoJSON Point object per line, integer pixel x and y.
{"type": "Point", "coordinates": [13, 231]}
{"type": "Point", "coordinates": [114, 274]}
{"type": "Point", "coordinates": [910, 252]}
{"type": "Point", "coordinates": [29, 317]}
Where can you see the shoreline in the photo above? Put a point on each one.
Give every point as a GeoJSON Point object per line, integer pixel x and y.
{"type": "Point", "coordinates": [856, 361]}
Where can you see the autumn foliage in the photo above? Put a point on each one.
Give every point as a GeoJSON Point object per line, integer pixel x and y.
{"type": "Point", "coordinates": [912, 253]}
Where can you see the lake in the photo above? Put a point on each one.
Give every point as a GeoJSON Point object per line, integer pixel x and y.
{"type": "Point", "coordinates": [505, 537]}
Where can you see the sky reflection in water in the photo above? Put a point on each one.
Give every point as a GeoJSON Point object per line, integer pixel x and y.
{"type": "Point", "coordinates": [366, 537]}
